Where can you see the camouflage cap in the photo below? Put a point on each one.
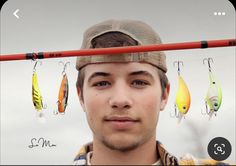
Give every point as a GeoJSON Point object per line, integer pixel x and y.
{"type": "Point", "coordinates": [138, 30]}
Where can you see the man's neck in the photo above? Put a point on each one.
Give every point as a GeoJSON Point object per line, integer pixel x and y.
{"type": "Point", "coordinates": [145, 154]}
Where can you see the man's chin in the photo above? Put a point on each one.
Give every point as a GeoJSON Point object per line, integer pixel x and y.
{"type": "Point", "coordinates": [121, 144]}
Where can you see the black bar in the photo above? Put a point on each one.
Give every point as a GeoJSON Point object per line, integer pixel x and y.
{"type": "Point", "coordinates": [40, 55]}
{"type": "Point", "coordinates": [34, 56]}
{"type": "Point", "coordinates": [204, 44]}
{"type": "Point", "coordinates": [29, 56]}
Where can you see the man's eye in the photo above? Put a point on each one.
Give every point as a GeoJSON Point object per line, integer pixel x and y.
{"type": "Point", "coordinates": [101, 84]}
{"type": "Point", "coordinates": [139, 83]}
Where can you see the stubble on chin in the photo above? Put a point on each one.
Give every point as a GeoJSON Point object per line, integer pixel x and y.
{"type": "Point", "coordinates": [119, 146]}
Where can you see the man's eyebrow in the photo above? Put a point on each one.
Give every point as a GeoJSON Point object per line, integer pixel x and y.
{"type": "Point", "coordinates": [141, 72]}
{"type": "Point", "coordinates": [96, 74]}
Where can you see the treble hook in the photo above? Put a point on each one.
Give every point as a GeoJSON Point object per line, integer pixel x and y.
{"type": "Point", "coordinates": [175, 113]}
{"type": "Point", "coordinates": [178, 62]}
{"type": "Point", "coordinates": [208, 61]}
{"type": "Point", "coordinates": [36, 62]}
{"type": "Point", "coordinates": [65, 65]}
{"type": "Point", "coordinates": [207, 111]}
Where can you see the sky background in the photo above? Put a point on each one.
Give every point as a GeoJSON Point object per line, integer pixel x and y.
{"type": "Point", "coordinates": [58, 25]}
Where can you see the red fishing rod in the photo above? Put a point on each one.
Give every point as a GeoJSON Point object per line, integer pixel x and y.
{"type": "Point", "coordinates": [119, 50]}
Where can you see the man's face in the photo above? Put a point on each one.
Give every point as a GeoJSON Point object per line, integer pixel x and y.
{"type": "Point", "coordinates": [122, 102]}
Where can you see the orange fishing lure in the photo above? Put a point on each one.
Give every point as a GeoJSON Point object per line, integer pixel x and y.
{"type": "Point", "coordinates": [63, 93]}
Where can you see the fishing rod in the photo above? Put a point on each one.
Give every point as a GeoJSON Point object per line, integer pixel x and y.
{"type": "Point", "coordinates": [120, 50]}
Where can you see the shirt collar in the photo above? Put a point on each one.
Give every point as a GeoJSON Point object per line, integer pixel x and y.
{"type": "Point", "coordinates": [83, 157]}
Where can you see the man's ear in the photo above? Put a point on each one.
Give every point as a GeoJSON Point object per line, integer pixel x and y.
{"type": "Point", "coordinates": [81, 99]}
{"type": "Point", "coordinates": [165, 97]}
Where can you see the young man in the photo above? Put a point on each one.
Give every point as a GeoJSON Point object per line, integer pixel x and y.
{"type": "Point", "coordinates": [122, 96]}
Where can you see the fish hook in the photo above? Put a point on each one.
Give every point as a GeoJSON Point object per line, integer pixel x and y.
{"type": "Point", "coordinates": [206, 111]}
{"type": "Point", "coordinates": [175, 113]}
{"type": "Point", "coordinates": [65, 65]}
{"type": "Point", "coordinates": [208, 61]}
{"type": "Point", "coordinates": [36, 62]}
{"type": "Point", "coordinates": [178, 62]}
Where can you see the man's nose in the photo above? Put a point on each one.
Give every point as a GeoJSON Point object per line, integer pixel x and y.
{"type": "Point", "coordinates": [120, 97]}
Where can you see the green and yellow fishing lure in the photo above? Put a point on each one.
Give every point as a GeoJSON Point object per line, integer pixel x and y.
{"type": "Point", "coordinates": [213, 98]}
{"type": "Point", "coordinates": [36, 95]}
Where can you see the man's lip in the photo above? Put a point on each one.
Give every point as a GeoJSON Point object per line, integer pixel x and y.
{"type": "Point", "coordinates": [121, 118]}
{"type": "Point", "coordinates": [121, 122]}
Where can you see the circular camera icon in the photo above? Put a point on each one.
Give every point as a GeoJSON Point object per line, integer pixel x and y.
{"type": "Point", "coordinates": [219, 149]}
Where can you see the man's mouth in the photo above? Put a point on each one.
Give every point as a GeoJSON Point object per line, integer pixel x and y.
{"type": "Point", "coordinates": [121, 122]}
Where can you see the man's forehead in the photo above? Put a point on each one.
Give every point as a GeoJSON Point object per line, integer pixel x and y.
{"type": "Point", "coordinates": [126, 67]}
{"type": "Point", "coordinates": [120, 69]}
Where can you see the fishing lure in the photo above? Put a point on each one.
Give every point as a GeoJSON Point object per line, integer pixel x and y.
{"type": "Point", "coordinates": [36, 95]}
{"type": "Point", "coordinates": [63, 92]}
{"type": "Point", "coordinates": [213, 98]}
{"type": "Point", "coordinates": [182, 99]}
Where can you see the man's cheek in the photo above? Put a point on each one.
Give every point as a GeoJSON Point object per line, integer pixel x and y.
{"type": "Point", "coordinates": [91, 118]}
{"type": "Point", "coordinates": [152, 104]}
